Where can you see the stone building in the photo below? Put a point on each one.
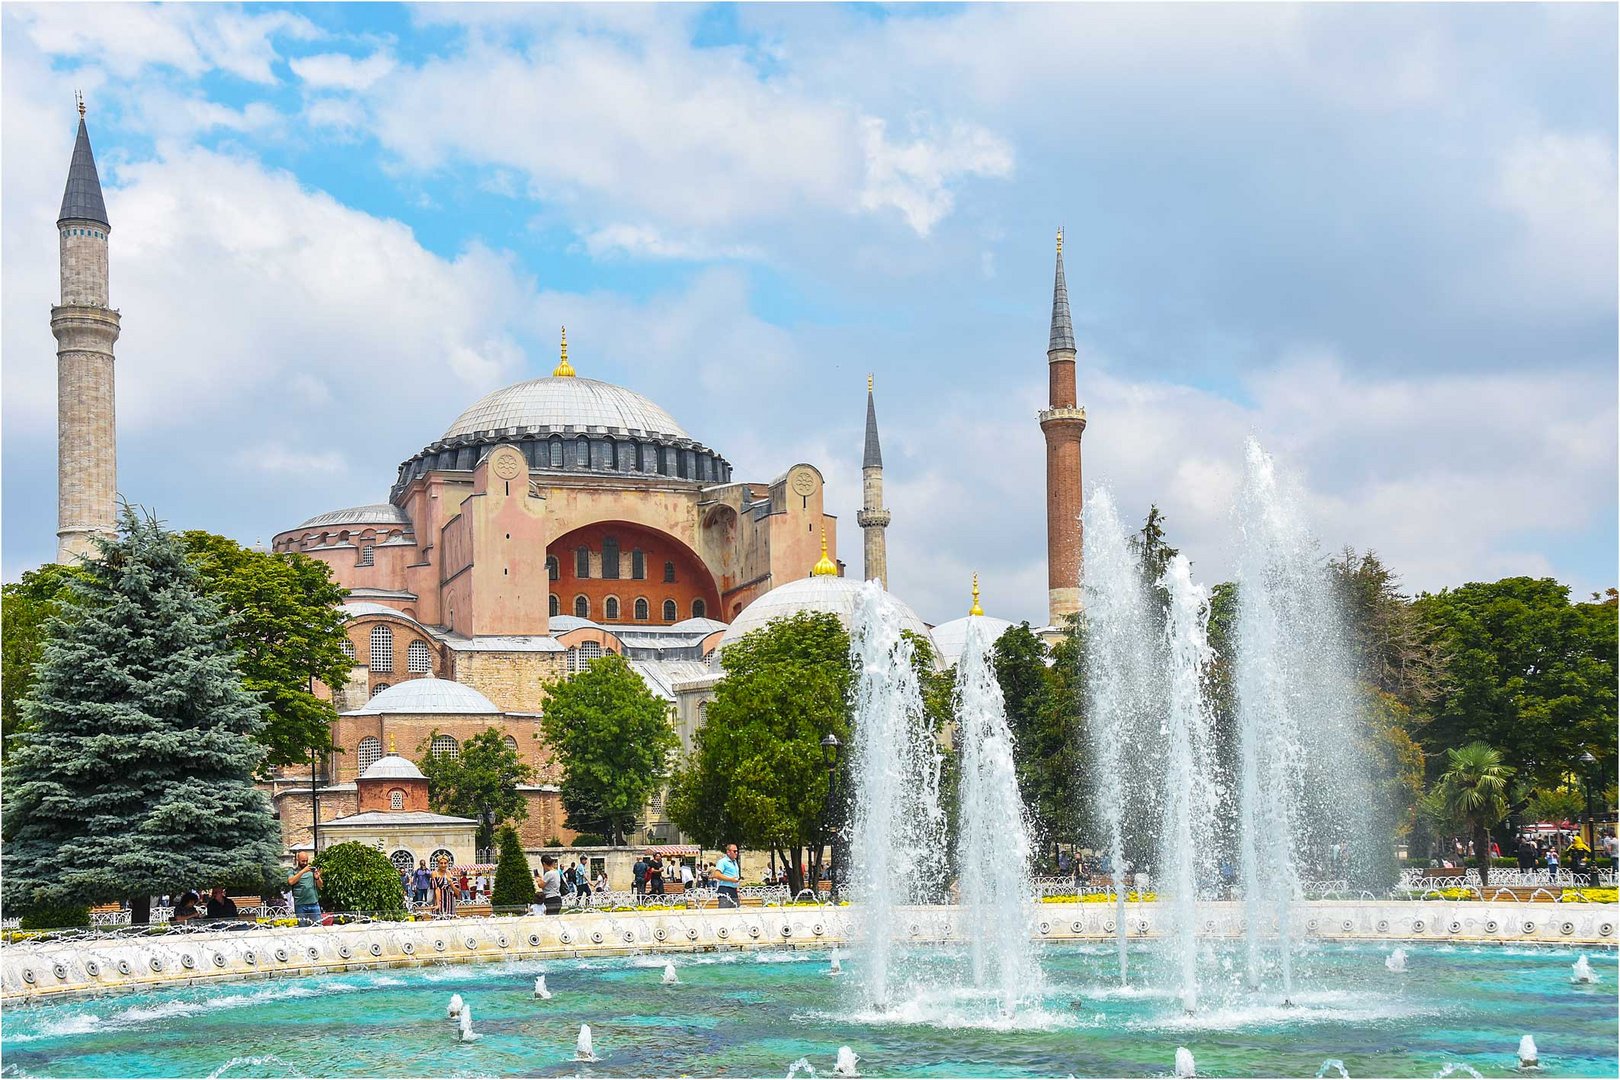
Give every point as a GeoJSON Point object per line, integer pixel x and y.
{"type": "Point", "coordinates": [392, 815]}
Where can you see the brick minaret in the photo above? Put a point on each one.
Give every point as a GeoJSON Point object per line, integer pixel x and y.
{"type": "Point", "coordinates": [872, 517]}
{"type": "Point", "coordinates": [1063, 422]}
{"type": "Point", "coordinates": [85, 329]}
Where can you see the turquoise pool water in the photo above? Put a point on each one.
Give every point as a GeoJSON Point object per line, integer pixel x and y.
{"type": "Point", "coordinates": [753, 1014]}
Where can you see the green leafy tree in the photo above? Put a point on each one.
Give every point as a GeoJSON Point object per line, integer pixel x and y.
{"type": "Point", "coordinates": [514, 885]}
{"type": "Point", "coordinates": [1472, 796]}
{"type": "Point", "coordinates": [613, 739]}
{"type": "Point", "coordinates": [1043, 733]}
{"type": "Point", "coordinates": [1395, 653]}
{"type": "Point", "coordinates": [480, 781]}
{"type": "Point", "coordinates": [756, 775]}
{"type": "Point", "coordinates": [287, 627]}
{"type": "Point", "coordinates": [1528, 673]}
{"type": "Point", "coordinates": [26, 608]}
{"type": "Point", "coordinates": [134, 775]}
{"type": "Point", "coordinates": [1152, 548]}
{"type": "Point", "coordinates": [357, 877]}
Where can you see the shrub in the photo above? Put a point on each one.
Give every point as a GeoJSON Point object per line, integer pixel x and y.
{"type": "Point", "coordinates": [360, 878]}
{"type": "Point", "coordinates": [54, 916]}
{"type": "Point", "coordinates": [514, 886]}
{"type": "Point", "coordinates": [589, 839]}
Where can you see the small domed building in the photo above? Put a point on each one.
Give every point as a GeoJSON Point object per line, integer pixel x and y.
{"type": "Point", "coordinates": [394, 817]}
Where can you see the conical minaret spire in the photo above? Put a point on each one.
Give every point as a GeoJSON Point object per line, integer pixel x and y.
{"type": "Point", "coordinates": [872, 517]}
{"type": "Point", "coordinates": [1062, 422]}
{"type": "Point", "coordinates": [86, 328]}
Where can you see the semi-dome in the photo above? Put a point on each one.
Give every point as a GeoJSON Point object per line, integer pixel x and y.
{"type": "Point", "coordinates": [567, 401]}
{"type": "Point", "coordinates": [392, 767]}
{"type": "Point", "coordinates": [950, 638]}
{"type": "Point", "coordinates": [374, 514]}
{"type": "Point", "coordinates": [430, 696]}
{"type": "Point", "coordinates": [835, 595]}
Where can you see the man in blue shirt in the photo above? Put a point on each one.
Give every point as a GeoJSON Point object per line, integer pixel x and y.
{"type": "Point", "coordinates": [727, 876]}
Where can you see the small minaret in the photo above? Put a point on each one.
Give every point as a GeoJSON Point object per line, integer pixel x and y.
{"type": "Point", "coordinates": [85, 328]}
{"type": "Point", "coordinates": [872, 517]}
{"type": "Point", "coordinates": [1062, 422]}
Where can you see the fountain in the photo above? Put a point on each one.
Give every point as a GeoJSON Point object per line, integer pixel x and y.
{"type": "Point", "coordinates": [1582, 972]}
{"type": "Point", "coordinates": [845, 1065]}
{"type": "Point", "coordinates": [993, 846]}
{"type": "Point", "coordinates": [582, 1046]}
{"type": "Point", "coordinates": [1396, 961]}
{"type": "Point", "coordinates": [1529, 1058]}
{"type": "Point", "coordinates": [801, 1066]}
{"type": "Point", "coordinates": [1336, 1065]}
{"type": "Point", "coordinates": [670, 978]}
{"type": "Point", "coordinates": [455, 1006]}
{"type": "Point", "coordinates": [540, 990]}
{"type": "Point", "coordinates": [835, 967]}
{"type": "Point", "coordinates": [897, 828]}
{"type": "Point", "coordinates": [1185, 1066]}
{"type": "Point", "coordinates": [466, 1033]}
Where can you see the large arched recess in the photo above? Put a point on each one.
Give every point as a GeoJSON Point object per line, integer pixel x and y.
{"type": "Point", "coordinates": [693, 583]}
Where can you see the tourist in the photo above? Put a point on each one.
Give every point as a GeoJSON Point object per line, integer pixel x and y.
{"type": "Point", "coordinates": [686, 877]}
{"type": "Point", "coordinates": [727, 876]}
{"type": "Point", "coordinates": [601, 880]}
{"type": "Point", "coordinates": [1611, 844]}
{"type": "Point", "coordinates": [421, 882]}
{"type": "Point", "coordinates": [582, 883]}
{"type": "Point", "coordinates": [480, 887]}
{"type": "Point", "coordinates": [444, 888]}
{"type": "Point", "coordinates": [655, 876]}
{"type": "Point", "coordinates": [305, 883]}
{"type": "Point", "coordinates": [1526, 852]}
{"type": "Point", "coordinates": [219, 905]}
{"type": "Point", "coordinates": [186, 909]}
{"type": "Point", "coordinates": [464, 886]}
{"type": "Point", "coordinates": [551, 894]}
{"type": "Point", "coordinates": [638, 876]}
{"type": "Point", "coordinates": [1577, 855]}
{"type": "Point", "coordinates": [1552, 861]}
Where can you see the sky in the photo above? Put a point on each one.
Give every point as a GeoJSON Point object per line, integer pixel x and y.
{"type": "Point", "coordinates": [1381, 239]}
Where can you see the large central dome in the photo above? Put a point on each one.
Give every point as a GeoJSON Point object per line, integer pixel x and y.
{"type": "Point", "coordinates": [566, 402]}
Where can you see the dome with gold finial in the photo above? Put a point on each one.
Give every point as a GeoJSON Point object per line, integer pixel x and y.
{"type": "Point", "coordinates": [950, 638]}
{"type": "Point", "coordinates": [824, 567]}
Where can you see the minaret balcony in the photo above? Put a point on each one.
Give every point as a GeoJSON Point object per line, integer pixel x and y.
{"type": "Point", "coordinates": [869, 519]}
{"type": "Point", "coordinates": [1063, 417]}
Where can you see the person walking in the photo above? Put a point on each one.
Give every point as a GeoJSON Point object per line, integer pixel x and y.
{"type": "Point", "coordinates": [686, 877]}
{"type": "Point", "coordinates": [638, 877]}
{"type": "Point", "coordinates": [582, 883]}
{"type": "Point", "coordinates": [655, 875]}
{"type": "Point", "coordinates": [421, 882]}
{"type": "Point", "coordinates": [551, 889]}
{"type": "Point", "coordinates": [305, 883]}
{"type": "Point", "coordinates": [727, 876]}
{"type": "Point", "coordinates": [444, 888]}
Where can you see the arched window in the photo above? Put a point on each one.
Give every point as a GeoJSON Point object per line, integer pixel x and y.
{"type": "Point", "coordinates": [642, 609]}
{"type": "Point", "coordinates": [444, 853]}
{"type": "Point", "coordinates": [419, 659]}
{"type": "Point", "coordinates": [366, 551]}
{"type": "Point", "coordinates": [445, 745]}
{"type": "Point", "coordinates": [610, 608]}
{"type": "Point", "coordinates": [582, 453]}
{"type": "Point", "coordinates": [638, 565]}
{"type": "Point", "coordinates": [379, 688]}
{"type": "Point", "coordinates": [556, 454]}
{"type": "Point", "coordinates": [396, 799]}
{"type": "Point", "coordinates": [571, 660]}
{"type": "Point", "coordinates": [511, 743]}
{"type": "Point", "coordinates": [348, 649]}
{"type": "Point", "coordinates": [670, 612]}
{"type": "Point", "coordinates": [382, 649]}
{"type": "Point", "coordinates": [556, 604]}
{"type": "Point", "coordinates": [582, 607]}
{"type": "Point", "coordinates": [402, 860]}
{"type": "Point", "coordinates": [367, 753]}
{"type": "Point", "coordinates": [699, 609]}
{"type": "Point", "coordinates": [582, 562]}
{"type": "Point", "coordinates": [590, 650]}
{"type": "Point", "coordinates": [610, 558]}
{"type": "Point", "coordinates": [669, 572]}
{"type": "Point", "coordinates": [553, 571]}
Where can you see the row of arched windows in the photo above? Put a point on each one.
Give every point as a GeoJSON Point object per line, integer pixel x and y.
{"type": "Point", "coordinates": [641, 609]}
{"type": "Point", "coordinates": [612, 564]}
{"type": "Point", "coordinates": [579, 656]}
{"type": "Point", "coordinates": [418, 657]}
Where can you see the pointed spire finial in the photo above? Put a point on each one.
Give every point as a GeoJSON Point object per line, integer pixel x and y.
{"type": "Point", "coordinates": [391, 750]}
{"type": "Point", "coordinates": [975, 609]}
{"type": "Point", "coordinates": [1062, 336]}
{"type": "Point", "coordinates": [564, 369]}
{"type": "Point", "coordinates": [868, 382]}
{"type": "Point", "coordinates": [78, 99]}
{"type": "Point", "coordinates": [824, 567]}
{"type": "Point", "coordinates": [1060, 240]}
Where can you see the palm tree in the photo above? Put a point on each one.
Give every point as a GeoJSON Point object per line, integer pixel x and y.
{"type": "Point", "coordinates": [1473, 795]}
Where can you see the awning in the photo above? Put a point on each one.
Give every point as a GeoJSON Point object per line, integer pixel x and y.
{"type": "Point", "coordinates": [676, 849]}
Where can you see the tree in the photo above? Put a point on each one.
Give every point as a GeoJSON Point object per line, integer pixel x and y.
{"type": "Point", "coordinates": [134, 775]}
{"type": "Point", "coordinates": [1394, 651]}
{"type": "Point", "coordinates": [1472, 796]}
{"type": "Point", "coordinates": [1043, 734]}
{"type": "Point", "coordinates": [287, 627]}
{"type": "Point", "coordinates": [479, 781]}
{"type": "Point", "coordinates": [613, 739]}
{"type": "Point", "coordinates": [514, 884]}
{"type": "Point", "coordinates": [26, 609]}
{"type": "Point", "coordinates": [1152, 549]}
{"type": "Point", "coordinates": [359, 878]}
{"type": "Point", "coordinates": [756, 776]}
{"type": "Point", "coordinates": [1529, 673]}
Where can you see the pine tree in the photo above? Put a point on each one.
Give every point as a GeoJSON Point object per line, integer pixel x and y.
{"type": "Point", "coordinates": [135, 774]}
{"type": "Point", "coordinates": [514, 884]}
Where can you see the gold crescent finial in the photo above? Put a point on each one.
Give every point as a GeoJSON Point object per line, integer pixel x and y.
{"type": "Point", "coordinates": [824, 567]}
{"type": "Point", "coordinates": [564, 369]}
{"type": "Point", "coordinates": [391, 743]}
{"type": "Point", "coordinates": [78, 99]}
{"type": "Point", "coordinates": [975, 609]}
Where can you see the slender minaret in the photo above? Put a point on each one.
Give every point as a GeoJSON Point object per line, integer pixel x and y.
{"type": "Point", "coordinates": [1062, 422]}
{"type": "Point", "coordinates": [85, 329]}
{"type": "Point", "coordinates": [872, 517]}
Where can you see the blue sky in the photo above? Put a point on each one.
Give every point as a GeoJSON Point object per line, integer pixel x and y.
{"type": "Point", "coordinates": [1381, 238]}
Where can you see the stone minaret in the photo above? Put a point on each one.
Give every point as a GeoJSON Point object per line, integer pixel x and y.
{"type": "Point", "coordinates": [1062, 422]}
{"type": "Point", "coordinates": [85, 329]}
{"type": "Point", "coordinates": [872, 517]}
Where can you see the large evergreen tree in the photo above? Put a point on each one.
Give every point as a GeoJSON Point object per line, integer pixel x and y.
{"type": "Point", "coordinates": [134, 775]}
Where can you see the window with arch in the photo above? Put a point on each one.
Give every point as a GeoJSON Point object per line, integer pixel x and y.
{"type": "Point", "coordinates": [348, 649]}
{"type": "Point", "coordinates": [638, 565]}
{"type": "Point", "coordinates": [366, 554]}
{"type": "Point", "coordinates": [379, 688]}
{"type": "Point", "coordinates": [556, 604]}
{"type": "Point", "coordinates": [556, 454]}
{"type": "Point", "coordinates": [699, 609]}
{"type": "Point", "coordinates": [643, 610]}
{"type": "Point", "coordinates": [511, 743]}
{"type": "Point", "coordinates": [582, 562]}
{"type": "Point", "coordinates": [610, 558]}
{"type": "Point", "coordinates": [442, 853]}
{"type": "Point", "coordinates": [367, 753]}
{"type": "Point", "coordinates": [444, 746]}
{"type": "Point", "coordinates": [571, 659]}
{"type": "Point", "coordinates": [610, 607]}
{"type": "Point", "coordinates": [419, 658]}
{"type": "Point", "coordinates": [382, 649]}
{"type": "Point", "coordinates": [402, 860]}
{"type": "Point", "coordinates": [396, 799]}
{"type": "Point", "coordinates": [670, 611]}
{"type": "Point", "coordinates": [553, 570]}
{"type": "Point", "coordinates": [582, 453]}
{"type": "Point", "coordinates": [582, 607]}
{"type": "Point", "coordinates": [669, 572]}
{"type": "Point", "coordinates": [590, 650]}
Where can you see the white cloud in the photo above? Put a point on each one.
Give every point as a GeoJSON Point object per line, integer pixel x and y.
{"type": "Point", "coordinates": [338, 71]}
{"type": "Point", "coordinates": [276, 457]}
{"type": "Point", "coordinates": [645, 241]}
{"type": "Point", "coordinates": [1561, 187]}
{"type": "Point", "coordinates": [913, 177]}
{"type": "Point", "coordinates": [127, 39]}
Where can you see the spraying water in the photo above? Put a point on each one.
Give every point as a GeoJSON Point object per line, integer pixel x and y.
{"type": "Point", "coordinates": [1396, 961]}
{"type": "Point", "coordinates": [1335, 1065]}
{"type": "Point", "coordinates": [1581, 971]}
{"type": "Point", "coordinates": [1529, 1057]}
{"type": "Point", "coordinates": [540, 990]}
{"type": "Point", "coordinates": [466, 1033]}
{"type": "Point", "coordinates": [845, 1065]}
{"type": "Point", "coordinates": [583, 1050]}
{"type": "Point", "coordinates": [455, 1006]}
{"type": "Point", "coordinates": [897, 828]}
{"type": "Point", "coordinates": [1185, 1066]}
{"type": "Point", "coordinates": [670, 978]}
{"type": "Point", "coordinates": [993, 845]}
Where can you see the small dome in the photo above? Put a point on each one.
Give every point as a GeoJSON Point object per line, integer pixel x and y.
{"type": "Point", "coordinates": [836, 595]}
{"type": "Point", "coordinates": [392, 767]}
{"type": "Point", "coordinates": [375, 514]}
{"type": "Point", "coordinates": [951, 637]}
{"type": "Point", "coordinates": [565, 401]}
{"type": "Point", "coordinates": [430, 696]}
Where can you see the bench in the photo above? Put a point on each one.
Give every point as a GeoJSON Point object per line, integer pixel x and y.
{"type": "Point", "coordinates": [1446, 872]}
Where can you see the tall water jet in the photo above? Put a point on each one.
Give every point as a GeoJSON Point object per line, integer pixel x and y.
{"type": "Point", "coordinates": [896, 825]}
{"type": "Point", "coordinates": [993, 848]}
{"type": "Point", "coordinates": [1189, 791]}
{"type": "Point", "coordinates": [1120, 660]}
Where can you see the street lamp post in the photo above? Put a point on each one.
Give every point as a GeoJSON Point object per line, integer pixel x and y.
{"type": "Point", "coordinates": [1588, 771]}
{"type": "Point", "coordinates": [829, 753]}
{"type": "Point", "coordinates": [314, 807]}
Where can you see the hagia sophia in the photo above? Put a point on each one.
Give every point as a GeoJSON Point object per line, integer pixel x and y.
{"type": "Point", "coordinates": [553, 521]}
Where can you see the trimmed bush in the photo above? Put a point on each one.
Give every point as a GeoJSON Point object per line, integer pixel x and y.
{"type": "Point", "coordinates": [55, 917]}
{"type": "Point", "coordinates": [360, 878]}
{"type": "Point", "coordinates": [514, 886]}
{"type": "Point", "coordinates": [589, 839]}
